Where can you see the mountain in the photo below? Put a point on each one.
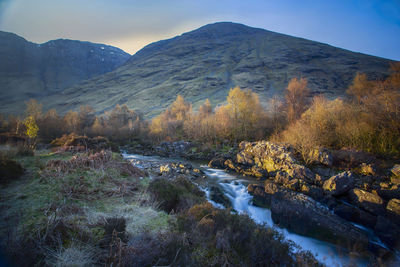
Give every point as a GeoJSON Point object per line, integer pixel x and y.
{"type": "Point", "coordinates": [29, 70]}
{"type": "Point", "coordinates": [207, 62]}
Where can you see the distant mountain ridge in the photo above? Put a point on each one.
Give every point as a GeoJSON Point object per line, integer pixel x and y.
{"type": "Point", "coordinates": [207, 62]}
{"type": "Point", "coordinates": [29, 70]}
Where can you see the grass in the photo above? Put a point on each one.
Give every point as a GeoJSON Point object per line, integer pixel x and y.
{"type": "Point", "coordinates": [63, 201]}
{"type": "Point", "coordinates": [91, 209]}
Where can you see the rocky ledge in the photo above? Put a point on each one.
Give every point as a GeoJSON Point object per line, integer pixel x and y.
{"type": "Point", "coordinates": [327, 197]}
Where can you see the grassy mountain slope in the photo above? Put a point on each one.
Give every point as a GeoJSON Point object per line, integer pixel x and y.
{"type": "Point", "coordinates": [29, 70]}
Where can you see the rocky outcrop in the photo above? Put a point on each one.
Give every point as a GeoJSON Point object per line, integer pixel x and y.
{"type": "Point", "coordinates": [266, 155]}
{"type": "Point", "coordinates": [339, 184]}
{"type": "Point", "coordinates": [272, 158]}
{"type": "Point", "coordinates": [301, 214]}
{"type": "Point", "coordinates": [368, 201]}
{"type": "Point", "coordinates": [294, 192]}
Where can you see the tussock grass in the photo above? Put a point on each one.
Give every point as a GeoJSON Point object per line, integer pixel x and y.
{"type": "Point", "coordinates": [61, 205]}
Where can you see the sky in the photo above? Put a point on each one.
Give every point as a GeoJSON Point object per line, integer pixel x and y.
{"type": "Point", "coordinates": [366, 26]}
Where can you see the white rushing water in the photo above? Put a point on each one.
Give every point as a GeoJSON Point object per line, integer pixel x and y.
{"type": "Point", "coordinates": [234, 188]}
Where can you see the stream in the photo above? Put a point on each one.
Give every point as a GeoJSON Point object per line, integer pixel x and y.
{"type": "Point", "coordinates": [234, 187]}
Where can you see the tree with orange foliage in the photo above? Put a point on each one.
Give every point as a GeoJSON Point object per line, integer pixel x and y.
{"type": "Point", "coordinates": [360, 88]}
{"type": "Point", "coordinates": [245, 111]}
{"type": "Point", "coordinates": [296, 98]}
{"type": "Point", "coordinates": [170, 122]}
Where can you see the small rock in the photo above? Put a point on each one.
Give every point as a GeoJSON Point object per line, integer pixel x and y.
{"type": "Point", "coordinates": [368, 201]}
{"type": "Point", "coordinates": [321, 155]}
{"type": "Point", "coordinates": [270, 188]}
{"type": "Point", "coordinates": [396, 170]}
{"type": "Point", "coordinates": [367, 169]}
{"type": "Point", "coordinates": [165, 169]}
{"type": "Point", "coordinates": [339, 184]}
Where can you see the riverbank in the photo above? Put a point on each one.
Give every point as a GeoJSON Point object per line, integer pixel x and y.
{"type": "Point", "coordinates": [334, 194]}
{"type": "Point", "coordinates": [95, 208]}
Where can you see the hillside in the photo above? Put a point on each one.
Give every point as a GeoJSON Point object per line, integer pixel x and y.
{"type": "Point", "coordinates": [29, 70]}
{"type": "Point", "coordinates": [207, 62]}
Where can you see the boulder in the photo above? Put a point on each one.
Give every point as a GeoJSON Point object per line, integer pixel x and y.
{"type": "Point", "coordinates": [339, 184]}
{"type": "Point", "coordinates": [300, 172]}
{"type": "Point", "coordinates": [367, 169]}
{"type": "Point", "coordinates": [271, 157]}
{"type": "Point", "coordinates": [254, 171]}
{"type": "Point", "coordinates": [396, 170]}
{"type": "Point", "coordinates": [389, 193]}
{"type": "Point", "coordinates": [179, 148]}
{"type": "Point", "coordinates": [393, 210]}
{"type": "Point", "coordinates": [395, 180]}
{"type": "Point", "coordinates": [368, 201]}
{"type": "Point", "coordinates": [322, 156]}
{"type": "Point", "coordinates": [266, 155]}
{"type": "Point", "coordinates": [260, 198]}
{"type": "Point", "coordinates": [303, 215]}
{"type": "Point", "coordinates": [218, 163]}
{"type": "Point", "coordinates": [218, 196]}
{"type": "Point", "coordinates": [271, 188]}
{"type": "Point", "coordinates": [354, 214]}
{"type": "Point", "coordinates": [312, 191]}
{"type": "Point", "coordinates": [349, 158]}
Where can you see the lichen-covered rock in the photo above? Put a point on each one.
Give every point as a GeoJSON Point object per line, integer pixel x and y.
{"type": "Point", "coordinates": [272, 157]}
{"type": "Point", "coordinates": [368, 201]}
{"type": "Point", "coordinates": [218, 163]}
{"type": "Point", "coordinates": [322, 156]}
{"type": "Point", "coordinates": [339, 184]}
{"type": "Point", "coordinates": [393, 210]}
{"type": "Point", "coordinates": [396, 170]}
{"type": "Point", "coordinates": [367, 169]}
{"type": "Point", "coordinates": [266, 155]}
{"type": "Point", "coordinates": [271, 188]}
{"type": "Point", "coordinates": [173, 169]}
{"type": "Point", "coordinates": [301, 172]}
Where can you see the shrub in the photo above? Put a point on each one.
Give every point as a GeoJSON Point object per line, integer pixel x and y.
{"type": "Point", "coordinates": [218, 237]}
{"type": "Point", "coordinates": [176, 195]}
{"type": "Point", "coordinates": [9, 170]}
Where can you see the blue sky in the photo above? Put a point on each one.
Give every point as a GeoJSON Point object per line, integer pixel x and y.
{"type": "Point", "coordinates": [367, 26]}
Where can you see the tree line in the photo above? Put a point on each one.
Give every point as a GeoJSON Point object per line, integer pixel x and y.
{"type": "Point", "coordinates": [367, 119]}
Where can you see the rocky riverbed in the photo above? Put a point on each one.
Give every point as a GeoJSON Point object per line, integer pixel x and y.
{"type": "Point", "coordinates": [336, 195]}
